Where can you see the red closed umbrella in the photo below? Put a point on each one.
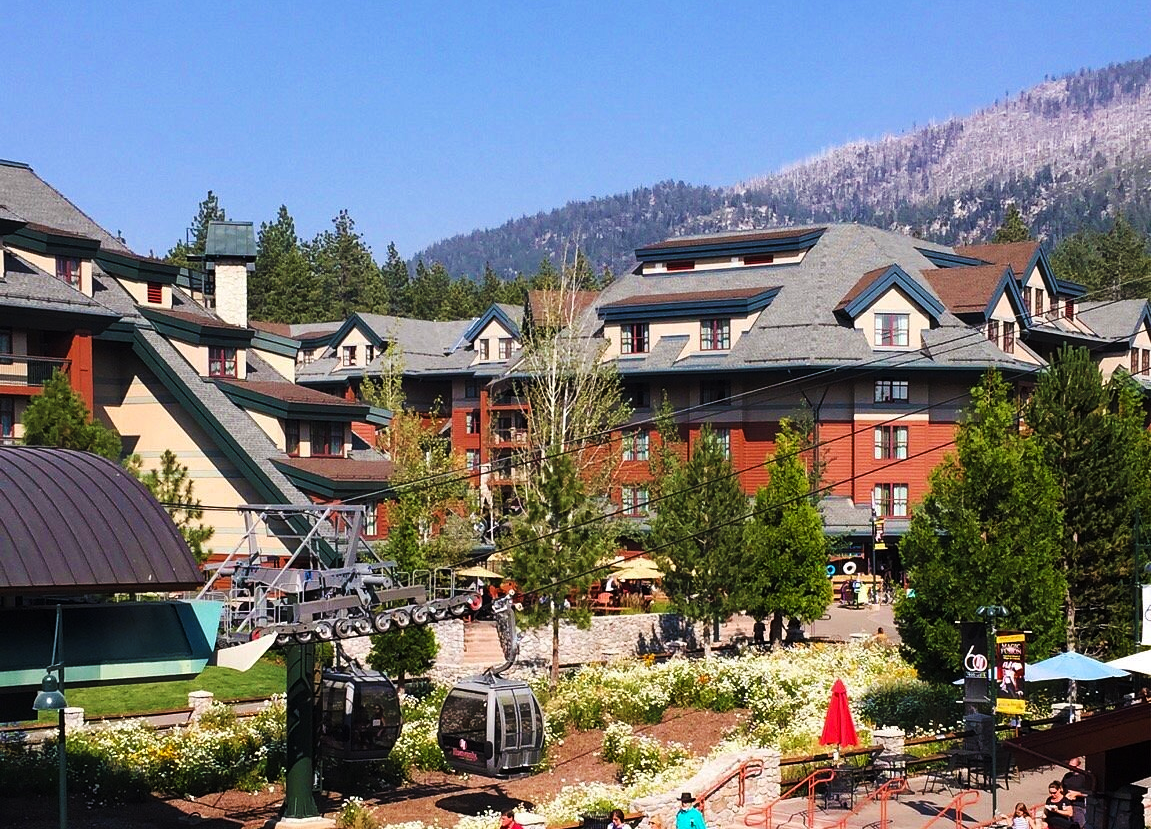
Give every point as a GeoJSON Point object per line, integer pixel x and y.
{"type": "Point", "coordinates": [838, 727]}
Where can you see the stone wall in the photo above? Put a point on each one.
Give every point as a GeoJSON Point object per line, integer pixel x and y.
{"type": "Point", "coordinates": [721, 808]}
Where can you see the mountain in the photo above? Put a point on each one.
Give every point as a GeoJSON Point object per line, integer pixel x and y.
{"type": "Point", "coordinates": [1068, 151]}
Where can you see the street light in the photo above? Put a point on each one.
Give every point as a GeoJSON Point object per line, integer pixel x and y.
{"type": "Point", "coordinates": [992, 612]}
{"type": "Point", "coordinates": [51, 698]}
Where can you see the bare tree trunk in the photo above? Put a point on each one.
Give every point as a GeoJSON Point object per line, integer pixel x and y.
{"type": "Point", "coordinates": [776, 636]}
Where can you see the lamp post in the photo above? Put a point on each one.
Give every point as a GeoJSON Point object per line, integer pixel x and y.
{"type": "Point", "coordinates": [51, 698]}
{"type": "Point", "coordinates": [992, 612]}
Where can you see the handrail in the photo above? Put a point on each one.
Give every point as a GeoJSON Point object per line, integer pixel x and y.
{"type": "Point", "coordinates": [967, 797]}
{"type": "Point", "coordinates": [744, 771]}
{"type": "Point", "coordinates": [811, 781]}
{"type": "Point", "coordinates": [1004, 820]}
{"type": "Point", "coordinates": [882, 794]}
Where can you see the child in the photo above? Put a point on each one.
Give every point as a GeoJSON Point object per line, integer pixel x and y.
{"type": "Point", "coordinates": [1021, 818]}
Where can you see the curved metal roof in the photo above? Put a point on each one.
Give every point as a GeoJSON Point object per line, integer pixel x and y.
{"type": "Point", "coordinates": [74, 522]}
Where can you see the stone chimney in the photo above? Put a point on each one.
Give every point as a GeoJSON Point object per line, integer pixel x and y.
{"type": "Point", "coordinates": [230, 255]}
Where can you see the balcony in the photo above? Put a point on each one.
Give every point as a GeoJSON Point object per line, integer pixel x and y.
{"type": "Point", "coordinates": [510, 436]}
{"type": "Point", "coordinates": [33, 372]}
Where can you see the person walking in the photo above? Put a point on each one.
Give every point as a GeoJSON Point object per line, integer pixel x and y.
{"type": "Point", "coordinates": [689, 817]}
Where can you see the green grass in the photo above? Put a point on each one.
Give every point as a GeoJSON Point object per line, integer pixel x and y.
{"type": "Point", "coordinates": [264, 679]}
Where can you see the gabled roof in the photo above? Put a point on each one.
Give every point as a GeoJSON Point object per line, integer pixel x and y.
{"type": "Point", "coordinates": [34, 200]}
{"type": "Point", "coordinates": [1022, 257]}
{"type": "Point", "coordinates": [1117, 321]}
{"type": "Point", "coordinates": [733, 302]}
{"type": "Point", "coordinates": [198, 328]}
{"type": "Point", "coordinates": [875, 283]}
{"type": "Point", "coordinates": [496, 313]}
{"type": "Point", "coordinates": [735, 244]}
{"type": "Point", "coordinates": [974, 289]}
{"type": "Point", "coordinates": [77, 523]}
{"type": "Point", "coordinates": [356, 322]}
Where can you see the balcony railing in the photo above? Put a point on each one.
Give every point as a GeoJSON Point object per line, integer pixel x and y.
{"type": "Point", "coordinates": [22, 370]}
{"type": "Point", "coordinates": [513, 435]}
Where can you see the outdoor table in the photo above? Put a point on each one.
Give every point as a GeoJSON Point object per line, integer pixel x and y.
{"type": "Point", "coordinates": [897, 765]}
{"type": "Point", "coordinates": [965, 760]}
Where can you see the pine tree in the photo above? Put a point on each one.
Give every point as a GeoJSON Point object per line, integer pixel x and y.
{"type": "Point", "coordinates": [1013, 228]}
{"type": "Point", "coordinates": [987, 533]}
{"type": "Point", "coordinates": [403, 652]}
{"type": "Point", "coordinates": [277, 257]}
{"type": "Point", "coordinates": [559, 542]}
{"type": "Point", "coordinates": [784, 554]}
{"type": "Point", "coordinates": [174, 489]}
{"type": "Point", "coordinates": [491, 289]}
{"type": "Point", "coordinates": [184, 253]}
{"type": "Point", "coordinates": [397, 283]}
{"type": "Point", "coordinates": [697, 534]}
{"type": "Point", "coordinates": [1115, 263]}
{"type": "Point", "coordinates": [345, 268]}
{"type": "Point", "coordinates": [59, 417]}
{"type": "Point", "coordinates": [1092, 437]}
{"type": "Point", "coordinates": [460, 302]}
{"type": "Point", "coordinates": [429, 287]}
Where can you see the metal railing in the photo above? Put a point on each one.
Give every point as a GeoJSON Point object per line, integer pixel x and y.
{"type": "Point", "coordinates": [763, 817]}
{"type": "Point", "coordinates": [22, 370]}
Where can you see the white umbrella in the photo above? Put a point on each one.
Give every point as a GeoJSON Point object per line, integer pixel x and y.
{"type": "Point", "coordinates": [478, 572]}
{"type": "Point", "coordinates": [1140, 663]}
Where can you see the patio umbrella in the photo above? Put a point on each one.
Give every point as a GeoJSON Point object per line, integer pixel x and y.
{"type": "Point", "coordinates": [1140, 663]}
{"type": "Point", "coordinates": [838, 727]}
{"type": "Point", "coordinates": [637, 571]}
{"type": "Point", "coordinates": [478, 572]}
{"type": "Point", "coordinates": [1071, 665]}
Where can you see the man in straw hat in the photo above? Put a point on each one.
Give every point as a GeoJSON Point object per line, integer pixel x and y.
{"type": "Point", "coordinates": [689, 817]}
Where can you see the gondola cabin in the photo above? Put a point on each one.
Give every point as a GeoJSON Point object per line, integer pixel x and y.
{"type": "Point", "coordinates": [492, 726]}
{"type": "Point", "coordinates": [359, 715]}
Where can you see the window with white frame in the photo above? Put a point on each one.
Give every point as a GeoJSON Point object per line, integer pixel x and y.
{"type": "Point", "coordinates": [635, 445]}
{"type": "Point", "coordinates": [889, 500]}
{"type": "Point", "coordinates": [472, 459]}
{"type": "Point", "coordinates": [723, 435]}
{"type": "Point", "coordinates": [371, 526]}
{"type": "Point", "coordinates": [633, 338]}
{"type": "Point", "coordinates": [505, 348]}
{"type": "Point", "coordinates": [634, 499]}
{"type": "Point", "coordinates": [483, 348]}
{"type": "Point", "coordinates": [892, 329]}
{"type": "Point", "coordinates": [472, 423]}
{"type": "Point", "coordinates": [715, 334]}
{"type": "Point", "coordinates": [890, 442]}
{"type": "Point", "coordinates": [369, 353]}
{"type": "Point", "coordinates": [348, 357]}
{"type": "Point", "coordinates": [891, 391]}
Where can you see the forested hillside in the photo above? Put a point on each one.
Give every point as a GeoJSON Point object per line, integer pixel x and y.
{"type": "Point", "coordinates": [1069, 151]}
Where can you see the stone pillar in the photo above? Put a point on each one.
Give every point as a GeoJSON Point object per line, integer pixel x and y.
{"type": "Point", "coordinates": [983, 726]}
{"type": "Point", "coordinates": [199, 702]}
{"type": "Point", "coordinates": [890, 738]}
{"type": "Point", "coordinates": [232, 291]}
{"type": "Point", "coordinates": [73, 719]}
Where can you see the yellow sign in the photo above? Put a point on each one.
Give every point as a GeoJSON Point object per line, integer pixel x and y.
{"type": "Point", "coordinates": [1010, 653]}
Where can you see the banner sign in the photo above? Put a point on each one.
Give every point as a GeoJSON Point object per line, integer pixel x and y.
{"type": "Point", "coordinates": [1146, 640]}
{"type": "Point", "coordinates": [1010, 652]}
{"type": "Point", "coordinates": [973, 648]}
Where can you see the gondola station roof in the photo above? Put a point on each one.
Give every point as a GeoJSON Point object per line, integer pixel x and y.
{"type": "Point", "coordinates": [75, 523]}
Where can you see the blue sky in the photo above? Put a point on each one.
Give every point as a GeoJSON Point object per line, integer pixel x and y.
{"type": "Point", "coordinates": [429, 119]}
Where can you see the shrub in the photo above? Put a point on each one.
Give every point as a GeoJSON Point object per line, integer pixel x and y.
{"type": "Point", "coordinates": [911, 704]}
{"type": "Point", "coordinates": [638, 756]}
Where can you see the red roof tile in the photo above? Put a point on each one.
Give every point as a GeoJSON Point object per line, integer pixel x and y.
{"type": "Point", "coordinates": [290, 392]}
{"type": "Point", "coordinates": [1015, 254]}
{"type": "Point", "coordinates": [965, 290]}
{"type": "Point", "coordinates": [342, 469]}
{"type": "Point", "coordinates": [281, 328]}
{"type": "Point", "coordinates": [200, 319]}
{"type": "Point", "coordinates": [861, 286]}
{"type": "Point", "coordinates": [542, 303]}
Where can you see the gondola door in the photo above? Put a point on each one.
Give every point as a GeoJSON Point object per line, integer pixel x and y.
{"type": "Point", "coordinates": [522, 724]}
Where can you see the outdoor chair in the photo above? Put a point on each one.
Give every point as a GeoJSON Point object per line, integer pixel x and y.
{"type": "Point", "coordinates": [840, 790]}
{"type": "Point", "coordinates": [946, 776]}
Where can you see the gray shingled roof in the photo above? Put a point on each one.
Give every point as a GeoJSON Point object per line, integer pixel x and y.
{"type": "Point", "coordinates": [26, 286]}
{"type": "Point", "coordinates": [1112, 320]}
{"type": "Point", "coordinates": [34, 200]}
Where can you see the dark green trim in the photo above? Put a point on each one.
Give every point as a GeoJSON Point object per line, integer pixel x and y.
{"type": "Point", "coordinates": [208, 332]}
{"type": "Point", "coordinates": [945, 259]}
{"type": "Point", "coordinates": [275, 343]}
{"type": "Point", "coordinates": [137, 269]}
{"type": "Point", "coordinates": [123, 331]}
{"type": "Point", "coordinates": [689, 309]}
{"type": "Point", "coordinates": [496, 313]}
{"type": "Point", "coordinates": [256, 401]}
{"type": "Point", "coordinates": [326, 487]}
{"type": "Point", "coordinates": [379, 416]}
{"type": "Point", "coordinates": [707, 248]}
{"type": "Point", "coordinates": [53, 244]}
{"type": "Point", "coordinates": [355, 321]}
{"type": "Point", "coordinates": [894, 276]}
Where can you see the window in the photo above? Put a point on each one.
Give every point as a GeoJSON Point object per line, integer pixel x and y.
{"type": "Point", "coordinates": [993, 331]}
{"type": "Point", "coordinates": [1134, 361]}
{"type": "Point", "coordinates": [7, 420]}
{"type": "Point", "coordinates": [637, 395]}
{"type": "Point", "coordinates": [221, 362]}
{"type": "Point", "coordinates": [723, 434]}
{"type": "Point", "coordinates": [634, 499]}
{"type": "Point", "coordinates": [891, 329]}
{"type": "Point", "coordinates": [759, 259]}
{"type": "Point", "coordinates": [681, 265]}
{"type": "Point", "coordinates": [889, 500]}
{"type": "Point", "coordinates": [349, 355]}
{"type": "Point", "coordinates": [292, 438]}
{"type": "Point", "coordinates": [1027, 298]}
{"type": "Point", "coordinates": [1140, 361]}
{"type": "Point", "coordinates": [482, 348]}
{"type": "Point", "coordinates": [890, 442]}
{"type": "Point", "coordinates": [633, 338]}
{"type": "Point", "coordinates": [715, 335]}
{"type": "Point", "coordinates": [1069, 309]}
{"type": "Point", "coordinates": [307, 355]}
{"type": "Point", "coordinates": [327, 439]}
{"type": "Point", "coordinates": [1009, 337]}
{"type": "Point", "coordinates": [155, 293]}
{"type": "Point", "coordinates": [1054, 307]}
{"type": "Point", "coordinates": [472, 459]}
{"type": "Point", "coordinates": [472, 423]}
{"type": "Point", "coordinates": [471, 389]}
{"type": "Point", "coordinates": [1146, 362]}
{"type": "Point", "coordinates": [714, 391]}
{"type": "Point", "coordinates": [6, 346]}
{"type": "Point", "coordinates": [68, 271]}
{"type": "Point", "coordinates": [505, 347]}
{"type": "Point", "coordinates": [1039, 302]}
{"type": "Point", "coordinates": [371, 526]}
{"type": "Point", "coordinates": [891, 391]}
{"type": "Point", "coordinates": [369, 353]}
{"type": "Point", "coordinates": [635, 445]}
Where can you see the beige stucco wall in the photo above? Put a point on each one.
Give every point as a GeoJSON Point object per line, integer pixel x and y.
{"type": "Point", "coordinates": [271, 426]}
{"type": "Point", "coordinates": [48, 265]}
{"type": "Point", "coordinates": [895, 301]}
{"type": "Point", "coordinates": [689, 328]}
{"type": "Point", "coordinates": [284, 366]}
{"type": "Point", "coordinates": [139, 292]}
{"type": "Point", "coordinates": [1110, 364]}
{"type": "Point", "coordinates": [493, 332]}
{"type": "Point", "coordinates": [723, 262]}
{"type": "Point", "coordinates": [354, 337]}
{"type": "Point", "coordinates": [197, 357]}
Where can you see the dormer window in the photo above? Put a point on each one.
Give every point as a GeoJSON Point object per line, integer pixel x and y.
{"type": "Point", "coordinates": [633, 338]}
{"type": "Point", "coordinates": [1039, 301]}
{"type": "Point", "coordinates": [1069, 309]}
{"type": "Point", "coordinates": [369, 353]}
{"type": "Point", "coordinates": [1027, 298]}
{"type": "Point", "coordinates": [348, 357]}
{"type": "Point", "coordinates": [307, 355]}
{"type": "Point", "coordinates": [1009, 337]}
{"type": "Point", "coordinates": [482, 348]}
{"type": "Point", "coordinates": [292, 438]}
{"type": "Point", "coordinates": [68, 271]}
{"type": "Point", "coordinates": [715, 334]}
{"type": "Point", "coordinates": [221, 362]}
{"type": "Point", "coordinates": [505, 348]}
{"type": "Point", "coordinates": [892, 330]}
{"type": "Point", "coordinates": [327, 439]}
{"type": "Point", "coordinates": [993, 331]}
{"type": "Point", "coordinates": [759, 259]}
{"type": "Point", "coordinates": [681, 265]}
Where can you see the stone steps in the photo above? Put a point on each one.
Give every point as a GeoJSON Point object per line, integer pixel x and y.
{"type": "Point", "coordinates": [481, 645]}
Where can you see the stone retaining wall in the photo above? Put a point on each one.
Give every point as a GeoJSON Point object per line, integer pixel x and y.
{"type": "Point", "coordinates": [722, 808]}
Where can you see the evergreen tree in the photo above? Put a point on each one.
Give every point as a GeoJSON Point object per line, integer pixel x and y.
{"type": "Point", "coordinates": [987, 533]}
{"type": "Point", "coordinates": [397, 283]}
{"type": "Point", "coordinates": [59, 417]}
{"type": "Point", "coordinates": [429, 287]}
{"type": "Point", "coordinates": [697, 534]}
{"type": "Point", "coordinates": [184, 253]}
{"type": "Point", "coordinates": [1013, 228]}
{"type": "Point", "coordinates": [784, 554]}
{"type": "Point", "coordinates": [277, 253]}
{"type": "Point", "coordinates": [1092, 438]}
{"type": "Point", "coordinates": [174, 489]}
{"type": "Point", "coordinates": [558, 543]}
{"type": "Point", "coordinates": [547, 278]}
{"type": "Point", "coordinates": [403, 652]}
{"type": "Point", "coordinates": [302, 294]}
{"type": "Point", "coordinates": [1115, 263]}
{"type": "Point", "coordinates": [491, 289]}
{"type": "Point", "coordinates": [345, 268]}
{"type": "Point", "coordinates": [460, 302]}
